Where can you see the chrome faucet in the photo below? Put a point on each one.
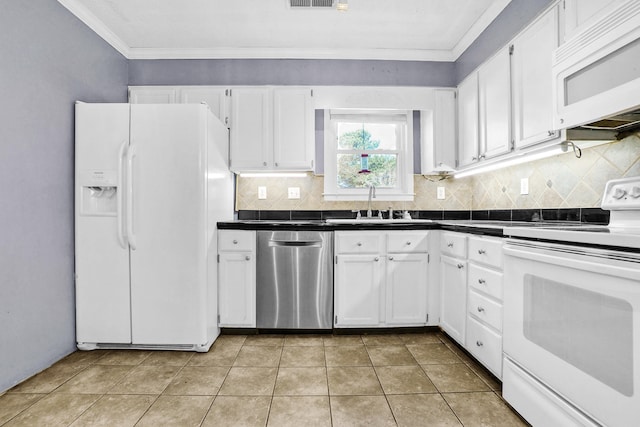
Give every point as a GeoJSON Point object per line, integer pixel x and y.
{"type": "Point", "coordinates": [372, 194]}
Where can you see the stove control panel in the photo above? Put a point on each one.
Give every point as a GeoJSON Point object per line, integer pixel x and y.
{"type": "Point", "coordinates": [622, 194]}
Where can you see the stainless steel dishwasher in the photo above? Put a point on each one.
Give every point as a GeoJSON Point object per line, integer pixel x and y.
{"type": "Point", "coordinates": [294, 280]}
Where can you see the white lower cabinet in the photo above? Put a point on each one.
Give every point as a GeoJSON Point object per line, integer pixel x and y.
{"type": "Point", "coordinates": [453, 284]}
{"type": "Point", "coordinates": [237, 278]}
{"type": "Point", "coordinates": [484, 302]}
{"type": "Point", "coordinates": [471, 295]}
{"type": "Point", "coordinates": [381, 278]}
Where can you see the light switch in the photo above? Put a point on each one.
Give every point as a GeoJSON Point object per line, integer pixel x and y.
{"type": "Point", "coordinates": [262, 193]}
{"type": "Point", "coordinates": [440, 193]}
{"type": "Point", "coordinates": [524, 186]}
{"type": "Point", "coordinates": [294, 192]}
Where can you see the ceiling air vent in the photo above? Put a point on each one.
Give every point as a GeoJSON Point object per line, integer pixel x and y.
{"type": "Point", "coordinates": [311, 3]}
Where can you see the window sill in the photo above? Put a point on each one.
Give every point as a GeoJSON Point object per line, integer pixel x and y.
{"type": "Point", "coordinates": [364, 197]}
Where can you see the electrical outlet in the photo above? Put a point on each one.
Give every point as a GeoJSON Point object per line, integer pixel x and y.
{"type": "Point", "coordinates": [524, 186]}
{"type": "Point", "coordinates": [262, 193]}
{"type": "Point", "coordinates": [294, 192]}
{"type": "Point", "coordinates": [440, 193]}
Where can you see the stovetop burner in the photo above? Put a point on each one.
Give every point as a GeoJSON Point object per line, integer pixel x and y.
{"type": "Point", "coordinates": [622, 198]}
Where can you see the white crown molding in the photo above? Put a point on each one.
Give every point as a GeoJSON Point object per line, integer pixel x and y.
{"type": "Point", "coordinates": [83, 14]}
{"type": "Point", "coordinates": [282, 53]}
{"type": "Point", "coordinates": [478, 27]}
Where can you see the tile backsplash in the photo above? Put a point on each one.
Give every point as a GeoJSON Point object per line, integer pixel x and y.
{"type": "Point", "coordinates": [562, 181]}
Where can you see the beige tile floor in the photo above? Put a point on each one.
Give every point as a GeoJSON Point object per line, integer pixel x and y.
{"type": "Point", "coordinates": [420, 379]}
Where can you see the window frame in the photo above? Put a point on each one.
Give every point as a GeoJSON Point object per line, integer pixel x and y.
{"type": "Point", "coordinates": [403, 191]}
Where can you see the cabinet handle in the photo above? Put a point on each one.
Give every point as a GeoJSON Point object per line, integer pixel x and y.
{"type": "Point", "coordinates": [264, 163]}
{"type": "Point", "coordinates": [359, 243]}
{"type": "Point", "coordinates": [460, 265]}
{"type": "Point", "coordinates": [480, 309]}
{"type": "Point", "coordinates": [408, 243]}
{"type": "Point", "coordinates": [376, 259]}
{"type": "Point", "coordinates": [450, 244]}
{"type": "Point", "coordinates": [474, 158]}
{"type": "Point", "coordinates": [248, 258]}
{"type": "Point", "coordinates": [276, 164]}
{"type": "Point", "coordinates": [483, 156]}
{"type": "Point", "coordinates": [235, 242]}
{"type": "Point", "coordinates": [482, 251]}
{"type": "Point", "coordinates": [482, 281]}
{"type": "Point", "coordinates": [551, 133]}
{"type": "Point", "coordinates": [390, 258]}
{"type": "Point", "coordinates": [479, 343]}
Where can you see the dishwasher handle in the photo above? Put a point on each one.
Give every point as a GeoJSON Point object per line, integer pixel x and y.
{"type": "Point", "coordinates": [295, 243]}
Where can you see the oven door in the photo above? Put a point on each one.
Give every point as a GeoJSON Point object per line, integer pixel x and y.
{"type": "Point", "coordinates": [572, 320]}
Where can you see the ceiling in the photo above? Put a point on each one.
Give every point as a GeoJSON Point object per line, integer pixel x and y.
{"type": "Point", "coordinates": [417, 30]}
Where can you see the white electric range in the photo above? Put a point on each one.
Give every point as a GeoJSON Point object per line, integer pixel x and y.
{"type": "Point", "coordinates": [572, 317]}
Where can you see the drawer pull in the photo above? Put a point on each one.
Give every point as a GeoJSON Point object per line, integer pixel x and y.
{"type": "Point", "coordinates": [482, 281]}
{"type": "Point", "coordinates": [482, 251]}
{"type": "Point", "coordinates": [359, 243]}
{"type": "Point", "coordinates": [460, 265]}
{"type": "Point", "coordinates": [248, 258]}
{"type": "Point", "coordinates": [408, 243]}
{"type": "Point", "coordinates": [376, 259]}
{"type": "Point", "coordinates": [390, 258]}
{"type": "Point", "coordinates": [235, 242]}
{"type": "Point", "coordinates": [450, 244]}
{"type": "Point", "coordinates": [480, 309]}
{"type": "Point", "coordinates": [479, 343]}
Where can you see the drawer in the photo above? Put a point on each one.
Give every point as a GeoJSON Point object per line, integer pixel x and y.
{"type": "Point", "coordinates": [489, 311]}
{"type": "Point", "coordinates": [236, 241]}
{"type": "Point", "coordinates": [409, 241]}
{"type": "Point", "coordinates": [358, 242]}
{"type": "Point", "coordinates": [454, 244]}
{"type": "Point", "coordinates": [486, 250]}
{"type": "Point", "coordinates": [485, 345]}
{"type": "Point", "coordinates": [485, 280]}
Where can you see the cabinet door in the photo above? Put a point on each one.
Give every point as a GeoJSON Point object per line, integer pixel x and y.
{"type": "Point", "coordinates": [357, 286]}
{"type": "Point", "coordinates": [152, 95]}
{"type": "Point", "coordinates": [580, 14]}
{"type": "Point", "coordinates": [453, 286]}
{"type": "Point", "coordinates": [406, 289]}
{"type": "Point", "coordinates": [215, 97]}
{"type": "Point", "coordinates": [494, 95]}
{"type": "Point", "coordinates": [237, 289]}
{"type": "Point", "coordinates": [251, 129]}
{"type": "Point", "coordinates": [293, 133]}
{"type": "Point", "coordinates": [438, 132]}
{"type": "Point", "coordinates": [533, 81]}
{"type": "Point", "coordinates": [468, 121]}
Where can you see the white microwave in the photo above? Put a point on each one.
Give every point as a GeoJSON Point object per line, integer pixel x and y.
{"type": "Point", "coordinates": [597, 73]}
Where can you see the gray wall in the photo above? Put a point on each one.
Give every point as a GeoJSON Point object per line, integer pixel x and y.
{"type": "Point", "coordinates": [49, 60]}
{"type": "Point", "coordinates": [511, 20]}
{"type": "Point", "coordinates": [290, 72]}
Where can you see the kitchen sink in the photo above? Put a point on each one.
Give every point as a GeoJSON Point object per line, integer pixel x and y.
{"type": "Point", "coordinates": [375, 221]}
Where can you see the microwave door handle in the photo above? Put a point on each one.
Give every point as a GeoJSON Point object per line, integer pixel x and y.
{"type": "Point", "coordinates": [131, 154]}
{"type": "Point", "coordinates": [120, 200]}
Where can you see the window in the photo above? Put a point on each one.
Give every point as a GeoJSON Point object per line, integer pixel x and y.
{"type": "Point", "coordinates": [364, 148]}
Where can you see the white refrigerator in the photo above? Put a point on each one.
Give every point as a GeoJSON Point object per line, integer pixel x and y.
{"type": "Point", "coordinates": [151, 181]}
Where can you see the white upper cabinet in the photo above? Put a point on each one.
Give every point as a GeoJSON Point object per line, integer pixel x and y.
{"type": "Point", "coordinates": [494, 97]}
{"type": "Point", "coordinates": [152, 95]}
{"type": "Point", "coordinates": [251, 131]}
{"type": "Point", "coordinates": [293, 129]}
{"type": "Point", "coordinates": [272, 129]}
{"type": "Point", "coordinates": [438, 132]}
{"type": "Point", "coordinates": [215, 97]}
{"type": "Point", "coordinates": [580, 14]}
{"type": "Point", "coordinates": [533, 81]}
{"type": "Point", "coordinates": [468, 121]}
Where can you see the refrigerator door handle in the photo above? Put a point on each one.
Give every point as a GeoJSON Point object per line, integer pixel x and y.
{"type": "Point", "coordinates": [131, 154]}
{"type": "Point", "coordinates": [120, 201]}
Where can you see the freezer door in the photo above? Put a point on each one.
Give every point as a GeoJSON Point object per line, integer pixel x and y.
{"type": "Point", "coordinates": [101, 254]}
{"type": "Point", "coordinates": [167, 159]}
